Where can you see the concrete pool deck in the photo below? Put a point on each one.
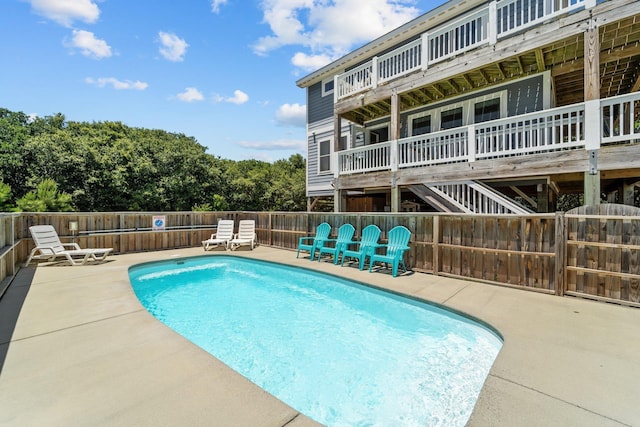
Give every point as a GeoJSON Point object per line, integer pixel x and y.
{"type": "Point", "coordinates": [83, 351]}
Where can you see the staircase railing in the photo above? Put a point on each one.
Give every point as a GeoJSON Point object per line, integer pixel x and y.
{"type": "Point", "coordinates": [473, 197]}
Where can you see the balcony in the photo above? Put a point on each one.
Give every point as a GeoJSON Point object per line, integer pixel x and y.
{"type": "Point", "coordinates": [586, 125]}
{"type": "Point", "coordinates": [483, 26]}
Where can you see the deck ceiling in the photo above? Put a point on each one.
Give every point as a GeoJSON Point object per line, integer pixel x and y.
{"type": "Point", "coordinates": [619, 72]}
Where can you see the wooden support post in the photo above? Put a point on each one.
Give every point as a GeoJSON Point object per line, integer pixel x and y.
{"type": "Point", "coordinates": [436, 246]}
{"type": "Point", "coordinates": [337, 133]}
{"type": "Point", "coordinates": [395, 195]}
{"type": "Point", "coordinates": [394, 127]}
{"type": "Point", "coordinates": [338, 201]}
{"type": "Point", "coordinates": [628, 196]}
{"type": "Point", "coordinates": [394, 136]}
{"type": "Point", "coordinates": [561, 250]}
{"type": "Point", "coordinates": [543, 198]}
{"type": "Point", "coordinates": [592, 189]}
{"type": "Point", "coordinates": [592, 112]}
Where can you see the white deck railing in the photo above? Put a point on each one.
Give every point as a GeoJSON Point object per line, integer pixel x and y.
{"type": "Point", "coordinates": [474, 197]}
{"type": "Point", "coordinates": [460, 36]}
{"type": "Point", "coordinates": [481, 26]}
{"type": "Point", "coordinates": [447, 146]}
{"type": "Point", "coordinates": [556, 129]}
{"type": "Point", "coordinates": [400, 61]}
{"type": "Point", "coordinates": [369, 158]}
{"type": "Point", "coordinates": [355, 80]}
{"type": "Point", "coordinates": [620, 118]}
{"type": "Point", "coordinates": [513, 15]}
{"type": "Point", "coordinates": [549, 130]}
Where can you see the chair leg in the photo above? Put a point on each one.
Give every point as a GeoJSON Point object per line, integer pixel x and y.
{"type": "Point", "coordinates": [33, 252]}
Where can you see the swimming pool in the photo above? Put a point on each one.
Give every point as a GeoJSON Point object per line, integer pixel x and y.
{"type": "Point", "coordinates": [337, 351]}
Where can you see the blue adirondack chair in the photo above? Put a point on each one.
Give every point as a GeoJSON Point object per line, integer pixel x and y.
{"type": "Point", "coordinates": [345, 234]}
{"type": "Point", "coordinates": [312, 243]}
{"type": "Point", "coordinates": [394, 250]}
{"type": "Point", "coordinates": [363, 248]}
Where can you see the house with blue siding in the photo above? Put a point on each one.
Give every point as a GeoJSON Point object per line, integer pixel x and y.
{"type": "Point", "coordinates": [481, 107]}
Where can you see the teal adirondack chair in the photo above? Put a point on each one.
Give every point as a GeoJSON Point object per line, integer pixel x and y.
{"type": "Point", "coordinates": [345, 234]}
{"type": "Point", "coordinates": [311, 244]}
{"type": "Point", "coordinates": [366, 245]}
{"type": "Point", "coordinates": [394, 250]}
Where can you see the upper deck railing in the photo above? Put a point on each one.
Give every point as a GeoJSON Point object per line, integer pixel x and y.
{"type": "Point", "coordinates": [616, 119]}
{"type": "Point", "coordinates": [484, 25]}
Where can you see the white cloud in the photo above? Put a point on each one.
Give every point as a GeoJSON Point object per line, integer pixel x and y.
{"type": "Point", "coordinates": [64, 12]}
{"type": "Point", "coordinates": [292, 115]}
{"type": "Point", "coordinates": [89, 45]}
{"type": "Point", "coordinates": [310, 62]}
{"type": "Point", "coordinates": [330, 28]}
{"type": "Point", "coordinates": [173, 47]}
{"type": "Point", "coordinates": [238, 98]}
{"type": "Point", "coordinates": [215, 5]}
{"type": "Point", "coordinates": [190, 94]}
{"type": "Point", "coordinates": [283, 144]}
{"type": "Point", "coordinates": [117, 84]}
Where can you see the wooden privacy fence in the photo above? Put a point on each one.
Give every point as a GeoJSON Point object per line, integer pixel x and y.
{"type": "Point", "coordinates": [593, 252]}
{"type": "Point", "coordinates": [603, 253]}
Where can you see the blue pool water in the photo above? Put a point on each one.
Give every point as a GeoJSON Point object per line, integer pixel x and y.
{"type": "Point", "coordinates": [341, 353]}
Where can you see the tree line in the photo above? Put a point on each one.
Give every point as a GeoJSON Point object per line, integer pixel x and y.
{"type": "Point", "coordinates": [51, 164]}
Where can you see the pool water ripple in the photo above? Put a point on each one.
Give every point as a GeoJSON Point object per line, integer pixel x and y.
{"type": "Point", "coordinates": [339, 352]}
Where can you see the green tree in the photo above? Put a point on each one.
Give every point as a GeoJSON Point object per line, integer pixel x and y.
{"type": "Point", "coordinates": [46, 198]}
{"type": "Point", "coordinates": [5, 197]}
{"type": "Point", "coordinates": [108, 166]}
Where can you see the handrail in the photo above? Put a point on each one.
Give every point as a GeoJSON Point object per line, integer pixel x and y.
{"type": "Point", "coordinates": [514, 15]}
{"type": "Point", "coordinates": [487, 24]}
{"type": "Point", "coordinates": [400, 61]}
{"type": "Point", "coordinates": [547, 130]}
{"type": "Point", "coordinates": [447, 146]}
{"type": "Point", "coordinates": [365, 159]}
{"type": "Point", "coordinates": [554, 129]}
{"type": "Point", "coordinates": [457, 37]}
{"type": "Point", "coordinates": [620, 118]}
{"type": "Point", "coordinates": [355, 80]}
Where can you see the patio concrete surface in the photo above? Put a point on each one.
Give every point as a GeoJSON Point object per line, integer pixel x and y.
{"type": "Point", "coordinates": [83, 351]}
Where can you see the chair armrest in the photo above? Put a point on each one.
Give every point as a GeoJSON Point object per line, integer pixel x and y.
{"type": "Point", "coordinates": [378, 245]}
{"type": "Point", "coordinates": [72, 245]}
{"type": "Point", "coordinates": [352, 243]}
{"type": "Point", "coordinates": [305, 238]}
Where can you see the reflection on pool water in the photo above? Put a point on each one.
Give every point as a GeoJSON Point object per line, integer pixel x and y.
{"type": "Point", "coordinates": [339, 352]}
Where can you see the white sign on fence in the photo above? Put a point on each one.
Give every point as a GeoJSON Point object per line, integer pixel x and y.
{"type": "Point", "coordinates": [159, 222]}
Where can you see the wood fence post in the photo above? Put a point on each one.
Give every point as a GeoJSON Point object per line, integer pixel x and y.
{"type": "Point", "coordinates": [436, 240]}
{"type": "Point", "coordinates": [561, 251]}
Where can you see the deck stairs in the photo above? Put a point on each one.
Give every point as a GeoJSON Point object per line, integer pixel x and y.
{"type": "Point", "coordinates": [467, 197]}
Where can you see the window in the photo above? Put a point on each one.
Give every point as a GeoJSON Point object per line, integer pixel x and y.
{"type": "Point", "coordinates": [451, 118]}
{"type": "Point", "coordinates": [380, 134]}
{"type": "Point", "coordinates": [487, 110]}
{"type": "Point", "coordinates": [324, 156]}
{"type": "Point", "coordinates": [421, 125]}
{"type": "Point", "coordinates": [327, 87]}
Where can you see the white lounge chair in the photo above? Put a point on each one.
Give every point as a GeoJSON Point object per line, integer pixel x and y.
{"type": "Point", "coordinates": [246, 234]}
{"type": "Point", "coordinates": [50, 247]}
{"type": "Point", "coordinates": [223, 234]}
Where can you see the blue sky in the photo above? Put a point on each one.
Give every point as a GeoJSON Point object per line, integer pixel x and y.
{"type": "Point", "coordinates": [221, 71]}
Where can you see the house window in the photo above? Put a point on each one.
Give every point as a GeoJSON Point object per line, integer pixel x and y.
{"type": "Point", "coordinates": [327, 87]}
{"type": "Point", "coordinates": [380, 134]}
{"type": "Point", "coordinates": [487, 110]}
{"type": "Point", "coordinates": [421, 125]}
{"type": "Point", "coordinates": [451, 118]}
{"type": "Point", "coordinates": [324, 156]}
